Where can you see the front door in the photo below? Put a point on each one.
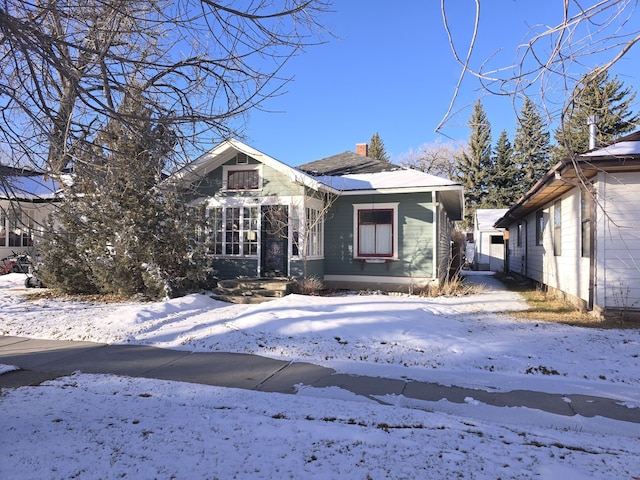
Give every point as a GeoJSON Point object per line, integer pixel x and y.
{"type": "Point", "coordinates": [275, 240]}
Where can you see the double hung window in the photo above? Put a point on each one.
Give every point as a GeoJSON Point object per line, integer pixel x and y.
{"type": "Point", "coordinates": [308, 235]}
{"type": "Point", "coordinates": [375, 231]}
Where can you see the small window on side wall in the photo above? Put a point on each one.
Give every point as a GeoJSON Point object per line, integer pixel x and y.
{"type": "Point", "coordinates": [557, 228]}
{"type": "Point", "coordinates": [539, 227]}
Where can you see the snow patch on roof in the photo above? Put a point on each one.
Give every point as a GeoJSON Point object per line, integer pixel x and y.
{"type": "Point", "coordinates": [406, 178]}
{"type": "Point", "coordinates": [620, 149]}
{"type": "Point", "coordinates": [33, 187]}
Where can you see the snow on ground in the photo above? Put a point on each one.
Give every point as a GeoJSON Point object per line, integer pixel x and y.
{"type": "Point", "coordinates": [97, 426]}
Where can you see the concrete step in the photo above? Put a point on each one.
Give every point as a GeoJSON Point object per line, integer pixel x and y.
{"type": "Point", "coordinates": [257, 284]}
{"type": "Point", "coordinates": [242, 299]}
{"type": "Point", "coordinates": [252, 290]}
{"type": "Point", "coordinates": [259, 292]}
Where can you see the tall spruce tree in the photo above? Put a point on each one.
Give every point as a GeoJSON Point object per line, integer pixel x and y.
{"type": "Point", "coordinates": [502, 175]}
{"type": "Point", "coordinates": [474, 163]}
{"type": "Point", "coordinates": [116, 231]}
{"type": "Point", "coordinates": [601, 96]}
{"type": "Point", "coordinates": [531, 149]}
{"type": "Point", "coordinates": [377, 149]}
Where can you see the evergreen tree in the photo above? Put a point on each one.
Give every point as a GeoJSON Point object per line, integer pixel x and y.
{"type": "Point", "coordinates": [377, 149]}
{"type": "Point", "coordinates": [474, 164]}
{"type": "Point", "coordinates": [116, 231]}
{"type": "Point", "coordinates": [502, 175]}
{"type": "Point", "coordinates": [600, 96]}
{"type": "Point", "coordinates": [531, 149]}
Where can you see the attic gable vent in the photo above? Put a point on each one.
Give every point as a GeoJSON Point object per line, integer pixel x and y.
{"type": "Point", "coordinates": [242, 159]}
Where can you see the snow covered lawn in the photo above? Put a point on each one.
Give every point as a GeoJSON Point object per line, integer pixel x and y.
{"type": "Point", "coordinates": [100, 426]}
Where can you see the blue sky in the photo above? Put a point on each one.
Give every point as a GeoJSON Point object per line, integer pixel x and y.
{"type": "Point", "coordinates": [391, 71]}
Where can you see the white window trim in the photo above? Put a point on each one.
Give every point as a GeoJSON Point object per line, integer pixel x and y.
{"type": "Point", "coordinates": [234, 168]}
{"type": "Point", "coordinates": [375, 206]}
{"type": "Point", "coordinates": [223, 219]}
{"type": "Point", "coordinates": [300, 206]}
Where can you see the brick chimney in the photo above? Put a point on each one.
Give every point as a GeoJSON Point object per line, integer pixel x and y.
{"type": "Point", "coordinates": [362, 149]}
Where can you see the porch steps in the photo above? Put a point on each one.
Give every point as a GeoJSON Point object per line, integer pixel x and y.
{"type": "Point", "coordinates": [252, 290]}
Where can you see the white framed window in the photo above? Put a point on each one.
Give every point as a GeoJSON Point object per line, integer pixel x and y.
{"type": "Point", "coordinates": [233, 230]}
{"type": "Point", "coordinates": [557, 228]}
{"type": "Point", "coordinates": [586, 207]}
{"type": "Point", "coordinates": [16, 227]}
{"type": "Point", "coordinates": [308, 236]}
{"type": "Point", "coordinates": [315, 232]}
{"type": "Point", "coordinates": [241, 177]}
{"type": "Point", "coordinates": [375, 230]}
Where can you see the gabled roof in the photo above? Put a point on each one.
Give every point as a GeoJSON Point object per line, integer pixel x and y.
{"type": "Point", "coordinates": [26, 185]}
{"type": "Point", "coordinates": [623, 155]}
{"type": "Point", "coordinates": [388, 178]}
{"type": "Point", "coordinates": [347, 163]}
{"type": "Point", "coordinates": [224, 152]}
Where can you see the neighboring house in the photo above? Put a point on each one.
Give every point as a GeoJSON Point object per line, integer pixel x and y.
{"type": "Point", "coordinates": [577, 229]}
{"type": "Point", "coordinates": [349, 220]}
{"type": "Point", "coordinates": [489, 240]}
{"type": "Point", "coordinates": [26, 200]}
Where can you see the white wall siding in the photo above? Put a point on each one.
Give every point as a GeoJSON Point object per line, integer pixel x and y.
{"type": "Point", "coordinates": [568, 272]}
{"type": "Point", "coordinates": [618, 244]}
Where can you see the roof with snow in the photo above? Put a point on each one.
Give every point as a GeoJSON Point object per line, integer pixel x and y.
{"type": "Point", "coordinates": [396, 179]}
{"type": "Point", "coordinates": [26, 185]}
{"type": "Point", "coordinates": [403, 180]}
{"type": "Point", "coordinates": [623, 155]}
{"type": "Point", "coordinates": [373, 176]}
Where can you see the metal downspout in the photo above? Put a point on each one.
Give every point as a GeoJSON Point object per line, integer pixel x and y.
{"type": "Point", "coordinates": [526, 248]}
{"type": "Point", "coordinates": [592, 253]}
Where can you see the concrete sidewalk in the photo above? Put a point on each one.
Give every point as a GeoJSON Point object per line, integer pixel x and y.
{"type": "Point", "coordinates": [41, 360]}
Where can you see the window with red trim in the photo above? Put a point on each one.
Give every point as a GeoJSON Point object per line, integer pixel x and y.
{"type": "Point", "coordinates": [375, 233]}
{"type": "Point", "coordinates": [243, 179]}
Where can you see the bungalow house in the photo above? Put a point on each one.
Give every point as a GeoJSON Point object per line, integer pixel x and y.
{"type": "Point", "coordinates": [488, 248]}
{"type": "Point", "coordinates": [348, 220]}
{"type": "Point", "coordinates": [26, 197]}
{"type": "Point", "coordinates": [576, 230]}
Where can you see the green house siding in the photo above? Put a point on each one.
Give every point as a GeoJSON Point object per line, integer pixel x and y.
{"type": "Point", "coordinates": [229, 267]}
{"type": "Point", "coordinates": [415, 237]}
{"type": "Point", "coordinates": [315, 268]}
{"type": "Point", "coordinates": [274, 184]}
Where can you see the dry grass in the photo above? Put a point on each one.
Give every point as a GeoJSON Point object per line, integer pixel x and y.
{"type": "Point", "coordinates": [544, 307]}
{"type": "Point", "coordinates": [453, 287]}
{"type": "Point", "coordinates": [52, 294]}
{"type": "Point", "coordinates": [309, 286]}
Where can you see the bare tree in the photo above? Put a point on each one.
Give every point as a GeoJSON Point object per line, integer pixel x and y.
{"type": "Point", "coordinates": [202, 64]}
{"type": "Point", "coordinates": [437, 158]}
{"type": "Point", "coordinates": [552, 58]}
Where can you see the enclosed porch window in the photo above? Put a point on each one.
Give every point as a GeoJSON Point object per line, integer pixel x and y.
{"type": "Point", "coordinates": [234, 230]}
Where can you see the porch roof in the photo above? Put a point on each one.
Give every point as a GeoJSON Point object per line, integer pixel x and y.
{"type": "Point", "coordinates": [402, 180]}
{"type": "Point", "coordinates": [621, 156]}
